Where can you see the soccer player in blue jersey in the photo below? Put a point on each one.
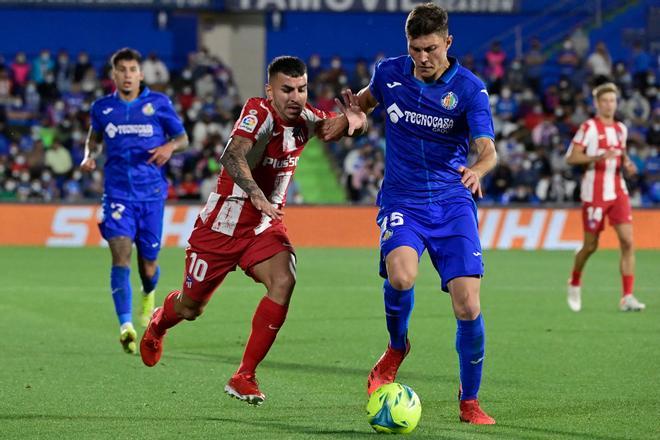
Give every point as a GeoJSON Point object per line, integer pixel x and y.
{"type": "Point", "coordinates": [140, 130]}
{"type": "Point", "coordinates": [436, 109]}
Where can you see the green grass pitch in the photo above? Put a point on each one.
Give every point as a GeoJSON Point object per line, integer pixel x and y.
{"type": "Point", "coordinates": [549, 373]}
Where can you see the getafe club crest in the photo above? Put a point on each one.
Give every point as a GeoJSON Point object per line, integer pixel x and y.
{"type": "Point", "coordinates": [148, 109]}
{"type": "Point", "coordinates": [449, 101]}
{"type": "Point", "coordinates": [387, 234]}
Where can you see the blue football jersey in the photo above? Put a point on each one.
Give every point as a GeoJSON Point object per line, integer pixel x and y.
{"type": "Point", "coordinates": [130, 130]}
{"type": "Point", "coordinates": [428, 129]}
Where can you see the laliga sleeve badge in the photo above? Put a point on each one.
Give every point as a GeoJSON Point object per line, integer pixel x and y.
{"type": "Point", "coordinates": [248, 123]}
{"type": "Point", "coordinates": [148, 109]}
{"type": "Point", "coordinates": [449, 101]}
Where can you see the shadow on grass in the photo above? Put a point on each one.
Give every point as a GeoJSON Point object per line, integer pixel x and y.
{"type": "Point", "coordinates": [272, 426]}
{"type": "Point", "coordinates": [553, 433]}
{"type": "Point", "coordinates": [306, 368]}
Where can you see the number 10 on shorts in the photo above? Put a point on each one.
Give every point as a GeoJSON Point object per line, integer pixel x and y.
{"type": "Point", "coordinates": [197, 267]}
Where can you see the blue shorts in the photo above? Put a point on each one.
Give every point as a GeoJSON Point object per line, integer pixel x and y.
{"type": "Point", "coordinates": [142, 222]}
{"type": "Point", "coordinates": [449, 230]}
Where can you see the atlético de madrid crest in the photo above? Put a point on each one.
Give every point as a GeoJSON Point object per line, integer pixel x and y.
{"type": "Point", "coordinates": [449, 101]}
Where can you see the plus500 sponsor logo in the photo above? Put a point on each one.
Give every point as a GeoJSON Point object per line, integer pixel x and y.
{"type": "Point", "coordinates": [283, 163]}
{"type": "Point", "coordinates": [435, 123]}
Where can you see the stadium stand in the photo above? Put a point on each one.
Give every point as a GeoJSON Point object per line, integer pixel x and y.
{"type": "Point", "coordinates": [539, 95]}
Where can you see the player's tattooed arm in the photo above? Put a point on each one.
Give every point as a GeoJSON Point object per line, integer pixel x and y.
{"type": "Point", "coordinates": [234, 160]}
{"type": "Point", "coordinates": [486, 160]}
{"type": "Point", "coordinates": [92, 150]}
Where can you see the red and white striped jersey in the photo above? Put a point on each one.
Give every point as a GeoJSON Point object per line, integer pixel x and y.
{"type": "Point", "coordinates": [602, 180]}
{"type": "Point", "coordinates": [273, 159]}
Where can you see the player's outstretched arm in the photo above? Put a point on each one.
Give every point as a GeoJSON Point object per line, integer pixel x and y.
{"type": "Point", "coordinates": [160, 155]}
{"type": "Point", "coordinates": [334, 128]}
{"type": "Point", "coordinates": [234, 161]}
{"type": "Point", "coordinates": [92, 149]}
{"type": "Point", "coordinates": [486, 160]}
{"type": "Point", "coordinates": [576, 155]}
{"type": "Point", "coordinates": [350, 108]}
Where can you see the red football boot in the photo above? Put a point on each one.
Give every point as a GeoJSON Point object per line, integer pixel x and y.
{"type": "Point", "coordinates": [385, 369]}
{"type": "Point", "coordinates": [151, 345]}
{"type": "Point", "coordinates": [245, 387]}
{"type": "Point", "coordinates": [472, 413]}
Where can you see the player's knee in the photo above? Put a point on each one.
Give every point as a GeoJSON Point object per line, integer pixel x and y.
{"type": "Point", "coordinates": [626, 244]}
{"type": "Point", "coordinates": [284, 284]}
{"type": "Point", "coordinates": [190, 313]}
{"type": "Point", "coordinates": [402, 280]}
{"type": "Point", "coordinates": [467, 312]}
{"type": "Point", "coordinates": [591, 247]}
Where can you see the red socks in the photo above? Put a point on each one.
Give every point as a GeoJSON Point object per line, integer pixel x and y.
{"type": "Point", "coordinates": [168, 317]}
{"type": "Point", "coordinates": [627, 282]}
{"type": "Point", "coordinates": [575, 278]}
{"type": "Point", "coordinates": [266, 322]}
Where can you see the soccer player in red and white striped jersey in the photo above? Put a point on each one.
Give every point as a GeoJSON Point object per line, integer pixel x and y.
{"type": "Point", "coordinates": [600, 145]}
{"type": "Point", "coordinates": [241, 224]}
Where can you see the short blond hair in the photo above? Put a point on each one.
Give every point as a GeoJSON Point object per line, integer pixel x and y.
{"type": "Point", "coordinates": [609, 87]}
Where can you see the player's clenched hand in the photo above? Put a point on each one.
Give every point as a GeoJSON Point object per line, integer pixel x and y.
{"type": "Point", "coordinates": [331, 129]}
{"type": "Point", "coordinates": [160, 155]}
{"type": "Point", "coordinates": [260, 202]}
{"type": "Point", "coordinates": [88, 164]}
{"type": "Point", "coordinates": [356, 118]}
{"type": "Point", "coordinates": [471, 180]}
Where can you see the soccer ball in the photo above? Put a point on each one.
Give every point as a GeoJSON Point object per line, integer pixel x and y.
{"type": "Point", "coordinates": [394, 409]}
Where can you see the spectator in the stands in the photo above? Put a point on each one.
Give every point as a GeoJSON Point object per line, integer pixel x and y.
{"type": "Point", "coordinates": [156, 73]}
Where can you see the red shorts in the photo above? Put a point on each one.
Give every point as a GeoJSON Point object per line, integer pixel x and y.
{"type": "Point", "coordinates": [211, 255]}
{"type": "Point", "coordinates": [618, 212]}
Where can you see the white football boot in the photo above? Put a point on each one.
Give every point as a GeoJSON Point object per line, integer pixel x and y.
{"type": "Point", "coordinates": [574, 297]}
{"type": "Point", "coordinates": [629, 303]}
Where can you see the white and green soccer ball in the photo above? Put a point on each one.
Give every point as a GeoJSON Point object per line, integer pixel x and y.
{"type": "Point", "coordinates": [394, 409]}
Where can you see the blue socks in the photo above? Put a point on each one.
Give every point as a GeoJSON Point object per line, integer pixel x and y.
{"type": "Point", "coordinates": [148, 285]}
{"type": "Point", "coordinates": [120, 283]}
{"type": "Point", "coordinates": [398, 307]}
{"type": "Point", "coordinates": [470, 345]}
